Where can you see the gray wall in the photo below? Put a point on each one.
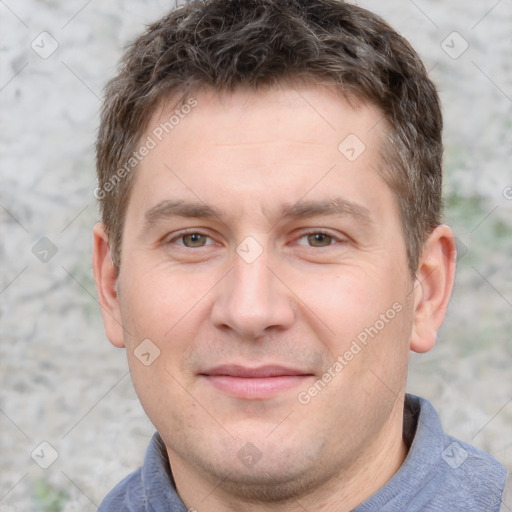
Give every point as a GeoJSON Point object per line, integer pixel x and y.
{"type": "Point", "coordinates": [61, 381]}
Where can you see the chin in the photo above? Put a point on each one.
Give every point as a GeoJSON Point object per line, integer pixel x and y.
{"type": "Point", "coordinates": [271, 492]}
{"type": "Point", "coordinates": [278, 475]}
{"type": "Point", "coordinates": [271, 485]}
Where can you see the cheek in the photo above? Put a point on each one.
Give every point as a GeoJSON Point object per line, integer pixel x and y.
{"type": "Point", "coordinates": [363, 317]}
{"type": "Point", "coordinates": [348, 301]}
{"type": "Point", "coordinates": [162, 311]}
{"type": "Point", "coordinates": [156, 300]}
{"type": "Point", "coordinates": [161, 394]}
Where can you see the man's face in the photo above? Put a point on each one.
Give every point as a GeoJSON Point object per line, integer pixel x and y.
{"type": "Point", "coordinates": [257, 251]}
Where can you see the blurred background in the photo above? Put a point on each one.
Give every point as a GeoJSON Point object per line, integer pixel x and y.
{"type": "Point", "coordinates": [70, 424]}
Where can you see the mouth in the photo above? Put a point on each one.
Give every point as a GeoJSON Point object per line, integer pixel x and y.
{"type": "Point", "coordinates": [254, 383]}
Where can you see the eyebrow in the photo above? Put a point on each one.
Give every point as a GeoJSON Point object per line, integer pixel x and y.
{"type": "Point", "coordinates": [300, 210]}
{"type": "Point", "coordinates": [167, 209]}
{"type": "Point", "coordinates": [334, 206]}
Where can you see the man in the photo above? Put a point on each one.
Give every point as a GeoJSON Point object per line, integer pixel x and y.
{"type": "Point", "coordinates": [270, 252]}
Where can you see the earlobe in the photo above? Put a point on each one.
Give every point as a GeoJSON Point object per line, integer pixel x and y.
{"type": "Point", "coordinates": [105, 277]}
{"type": "Point", "coordinates": [433, 287]}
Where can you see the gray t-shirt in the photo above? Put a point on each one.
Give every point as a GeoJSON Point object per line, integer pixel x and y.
{"type": "Point", "coordinates": [440, 474]}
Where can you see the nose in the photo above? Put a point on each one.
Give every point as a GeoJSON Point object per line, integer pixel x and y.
{"type": "Point", "coordinates": [252, 300]}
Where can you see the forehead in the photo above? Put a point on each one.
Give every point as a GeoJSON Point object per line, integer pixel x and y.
{"type": "Point", "coordinates": [326, 106]}
{"type": "Point", "coordinates": [277, 143]}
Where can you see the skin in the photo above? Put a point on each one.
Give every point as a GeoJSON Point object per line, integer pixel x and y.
{"type": "Point", "coordinates": [321, 278]}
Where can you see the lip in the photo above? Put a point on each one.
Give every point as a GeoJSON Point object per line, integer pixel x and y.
{"type": "Point", "coordinates": [258, 383]}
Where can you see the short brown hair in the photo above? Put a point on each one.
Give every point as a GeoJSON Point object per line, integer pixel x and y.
{"type": "Point", "coordinates": [227, 44]}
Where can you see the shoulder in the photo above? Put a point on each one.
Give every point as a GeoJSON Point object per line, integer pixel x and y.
{"type": "Point", "coordinates": [126, 496]}
{"type": "Point", "coordinates": [148, 489]}
{"type": "Point", "coordinates": [461, 476]}
{"type": "Point", "coordinates": [440, 473]}
{"type": "Point", "coordinates": [471, 477]}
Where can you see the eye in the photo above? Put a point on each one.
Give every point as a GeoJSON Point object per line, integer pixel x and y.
{"type": "Point", "coordinates": [316, 240]}
{"type": "Point", "coordinates": [193, 240]}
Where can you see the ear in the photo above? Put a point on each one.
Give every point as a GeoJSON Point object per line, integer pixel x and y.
{"type": "Point", "coordinates": [433, 287]}
{"type": "Point", "coordinates": [106, 281]}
